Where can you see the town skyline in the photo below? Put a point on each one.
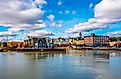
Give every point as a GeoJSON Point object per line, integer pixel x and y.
{"type": "Point", "coordinates": [59, 18]}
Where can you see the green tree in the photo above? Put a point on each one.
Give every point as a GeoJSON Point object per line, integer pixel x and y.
{"type": "Point", "coordinates": [113, 39]}
{"type": "Point", "coordinates": [119, 38]}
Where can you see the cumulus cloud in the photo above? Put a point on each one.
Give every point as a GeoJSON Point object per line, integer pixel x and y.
{"type": "Point", "coordinates": [108, 9]}
{"type": "Point", "coordinates": [60, 12]}
{"type": "Point", "coordinates": [90, 6]}
{"type": "Point", "coordinates": [15, 29]}
{"type": "Point", "coordinates": [105, 13]}
{"type": "Point", "coordinates": [57, 24]}
{"type": "Point", "coordinates": [59, 3]}
{"type": "Point", "coordinates": [114, 33]}
{"type": "Point", "coordinates": [41, 33]}
{"type": "Point", "coordinates": [67, 11]}
{"type": "Point", "coordinates": [8, 33]}
{"type": "Point", "coordinates": [40, 2]}
{"type": "Point", "coordinates": [52, 23]}
{"type": "Point", "coordinates": [20, 12]}
{"type": "Point", "coordinates": [92, 24]}
{"type": "Point", "coordinates": [73, 12]}
{"type": "Point", "coordinates": [29, 27]}
{"type": "Point", "coordinates": [51, 17]}
{"type": "Point", "coordinates": [21, 15]}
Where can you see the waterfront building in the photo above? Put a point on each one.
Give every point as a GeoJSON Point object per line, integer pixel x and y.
{"type": "Point", "coordinates": [44, 42]}
{"type": "Point", "coordinates": [95, 40]}
{"type": "Point", "coordinates": [30, 42]}
{"type": "Point", "coordinates": [39, 42]}
{"type": "Point", "coordinates": [115, 44]}
{"type": "Point", "coordinates": [61, 42]}
{"type": "Point", "coordinates": [26, 43]}
{"type": "Point", "coordinates": [77, 41]}
{"type": "Point", "coordinates": [72, 41]}
{"type": "Point", "coordinates": [12, 44]}
{"type": "Point", "coordinates": [3, 44]}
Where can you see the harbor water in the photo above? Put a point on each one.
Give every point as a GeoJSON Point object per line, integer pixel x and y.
{"type": "Point", "coordinates": [73, 64]}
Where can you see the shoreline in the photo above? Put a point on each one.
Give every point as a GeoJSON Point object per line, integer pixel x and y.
{"type": "Point", "coordinates": [59, 49]}
{"type": "Point", "coordinates": [31, 49]}
{"type": "Point", "coordinates": [97, 48]}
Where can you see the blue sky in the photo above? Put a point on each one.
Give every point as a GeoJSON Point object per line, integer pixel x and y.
{"type": "Point", "coordinates": [61, 18]}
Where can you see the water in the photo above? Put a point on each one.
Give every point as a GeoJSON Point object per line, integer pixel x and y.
{"type": "Point", "coordinates": [70, 65]}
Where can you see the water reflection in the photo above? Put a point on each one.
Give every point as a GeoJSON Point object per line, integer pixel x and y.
{"type": "Point", "coordinates": [96, 56]}
{"type": "Point", "coordinates": [43, 55]}
{"type": "Point", "coordinates": [72, 64]}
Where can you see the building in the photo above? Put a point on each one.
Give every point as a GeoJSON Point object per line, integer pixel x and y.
{"type": "Point", "coordinates": [44, 42]}
{"type": "Point", "coordinates": [39, 42]}
{"type": "Point", "coordinates": [30, 42]}
{"type": "Point", "coordinates": [3, 44]}
{"type": "Point", "coordinates": [72, 41]}
{"type": "Point", "coordinates": [61, 42]}
{"type": "Point", "coordinates": [78, 41]}
{"type": "Point", "coordinates": [88, 40]}
{"type": "Point", "coordinates": [12, 44]}
{"type": "Point", "coordinates": [95, 40]}
{"type": "Point", "coordinates": [115, 44]}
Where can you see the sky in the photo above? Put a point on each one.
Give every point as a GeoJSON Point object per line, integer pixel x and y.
{"type": "Point", "coordinates": [58, 18]}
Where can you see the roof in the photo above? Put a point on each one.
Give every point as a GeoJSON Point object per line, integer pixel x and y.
{"type": "Point", "coordinates": [96, 36]}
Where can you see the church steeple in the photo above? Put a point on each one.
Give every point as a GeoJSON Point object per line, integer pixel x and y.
{"type": "Point", "coordinates": [80, 34]}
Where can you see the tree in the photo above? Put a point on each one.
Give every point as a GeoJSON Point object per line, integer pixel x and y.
{"type": "Point", "coordinates": [119, 38]}
{"type": "Point", "coordinates": [113, 39]}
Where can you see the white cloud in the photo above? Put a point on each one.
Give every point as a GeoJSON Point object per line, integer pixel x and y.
{"type": "Point", "coordinates": [59, 3]}
{"type": "Point", "coordinates": [92, 24]}
{"type": "Point", "coordinates": [51, 17]}
{"type": "Point", "coordinates": [57, 24]}
{"type": "Point", "coordinates": [52, 23]}
{"type": "Point", "coordinates": [8, 33]}
{"type": "Point", "coordinates": [75, 35]}
{"type": "Point", "coordinates": [110, 9]}
{"type": "Point", "coordinates": [29, 27]}
{"type": "Point", "coordinates": [40, 2]}
{"type": "Point", "coordinates": [90, 6]}
{"type": "Point", "coordinates": [42, 25]}
{"type": "Point", "coordinates": [73, 12]}
{"type": "Point", "coordinates": [67, 11]}
{"type": "Point", "coordinates": [60, 12]}
{"type": "Point", "coordinates": [114, 33]}
{"type": "Point", "coordinates": [41, 33]}
{"type": "Point", "coordinates": [19, 12]}
{"type": "Point", "coordinates": [15, 29]}
{"type": "Point", "coordinates": [106, 12]}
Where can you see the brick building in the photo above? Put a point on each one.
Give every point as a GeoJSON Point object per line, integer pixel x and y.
{"type": "Point", "coordinates": [95, 40]}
